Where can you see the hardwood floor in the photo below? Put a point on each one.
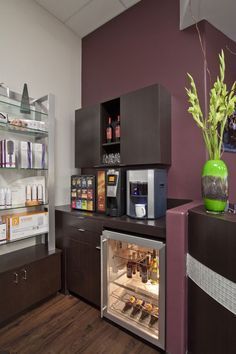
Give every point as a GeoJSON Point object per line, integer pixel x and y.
{"type": "Point", "coordinates": [67, 325]}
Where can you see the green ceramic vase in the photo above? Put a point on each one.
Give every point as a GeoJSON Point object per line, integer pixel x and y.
{"type": "Point", "coordinates": [215, 186]}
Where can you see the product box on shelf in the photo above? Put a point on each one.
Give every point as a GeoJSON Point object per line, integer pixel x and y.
{"type": "Point", "coordinates": [25, 154]}
{"type": "Point", "coordinates": [26, 224]}
{"type": "Point", "coordinates": [3, 232]}
{"type": "Point", "coordinates": [8, 153]}
{"type": "Point", "coordinates": [39, 155]}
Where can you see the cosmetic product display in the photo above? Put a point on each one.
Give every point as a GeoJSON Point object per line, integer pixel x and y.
{"type": "Point", "coordinates": [33, 194]}
{"type": "Point", "coordinates": [5, 197]}
{"type": "Point", "coordinates": [28, 123]}
{"type": "Point", "coordinates": [25, 154]}
{"type": "Point", "coordinates": [20, 225]}
{"type": "Point", "coordinates": [3, 232]}
{"type": "Point", "coordinates": [39, 156]}
{"type": "Point", "coordinates": [8, 153]}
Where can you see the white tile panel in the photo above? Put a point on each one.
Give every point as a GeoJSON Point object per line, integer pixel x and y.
{"type": "Point", "coordinates": [63, 9]}
{"type": "Point", "coordinates": [215, 285]}
{"type": "Point", "coordinates": [94, 15]}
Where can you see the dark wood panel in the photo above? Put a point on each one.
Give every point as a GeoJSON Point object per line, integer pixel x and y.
{"type": "Point", "coordinates": [146, 126]}
{"type": "Point", "coordinates": [87, 136]}
{"type": "Point", "coordinates": [24, 256]}
{"type": "Point", "coordinates": [67, 325]}
{"type": "Point", "coordinates": [28, 284]}
{"type": "Point", "coordinates": [146, 228]}
{"type": "Point", "coordinates": [212, 241]}
{"type": "Point", "coordinates": [211, 328]}
{"type": "Point", "coordinates": [85, 222]}
{"type": "Point", "coordinates": [83, 271]}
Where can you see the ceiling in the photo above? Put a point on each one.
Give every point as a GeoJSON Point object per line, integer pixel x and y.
{"type": "Point", "coordinates": [84, 16]}
{"type": "Point", "coordinates": [220, 13]}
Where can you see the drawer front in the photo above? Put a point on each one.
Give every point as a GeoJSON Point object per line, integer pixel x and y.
{"type": "Point", "coordinates": [82, 235]}
{"type": "Point", "coordinates": [85, 223]}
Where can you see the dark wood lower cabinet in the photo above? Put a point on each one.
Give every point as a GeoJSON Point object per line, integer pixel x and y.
{"type": "Point", "coordinates": [83, 270]}
{"type": "Point", "coordinates": [27, 283]}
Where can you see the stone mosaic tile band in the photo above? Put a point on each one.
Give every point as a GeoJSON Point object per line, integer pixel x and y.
{"type": "Point", "coordinates": [216, 286]}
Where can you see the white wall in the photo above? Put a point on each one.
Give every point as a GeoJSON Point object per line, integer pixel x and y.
{"type": "Point", "coordinates": [38, 49]}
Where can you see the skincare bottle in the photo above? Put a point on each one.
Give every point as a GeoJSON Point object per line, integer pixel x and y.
{"type": "Point", "coordinates": [28, 192]}
{"type": "Point", "coordinates": [34, 192]}
{"type": "Point", "coordinates": [8, 197]}
{"type": "Point", "coordinates": [2, 196]}
{"type": "Point", "coordinates": [40, 193]}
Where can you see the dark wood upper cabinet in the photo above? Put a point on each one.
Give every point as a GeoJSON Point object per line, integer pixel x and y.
{"type": "Point", "coordinates": [145, 134]}
{"type": "Point", "coordinates": [146, 126]}
{"type": "Point", "coordinates": [87, 136]}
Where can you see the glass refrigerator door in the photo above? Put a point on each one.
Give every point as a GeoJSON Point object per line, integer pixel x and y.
{"type": "Point", "coordinates": [133, 284]}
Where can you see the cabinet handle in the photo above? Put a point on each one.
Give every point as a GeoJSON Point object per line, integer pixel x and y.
{"type": "Point", "coordinates": [24, 274]}
{"type": "Point", "coordinates": [98, 248]}
{"type": "Point", "coordinates": [81, 230]}
{"type": "Point", "coordinates": [16, 281]}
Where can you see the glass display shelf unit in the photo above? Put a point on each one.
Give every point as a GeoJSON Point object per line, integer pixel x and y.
{"type": "Point", "coordinates": [22, 206]}
{"type": "Point", "coordinates": [5, 242]}
{"type": "Point", "coordinates": [13, 106]}
{"type": "Point", "coordinates": [7, 127]}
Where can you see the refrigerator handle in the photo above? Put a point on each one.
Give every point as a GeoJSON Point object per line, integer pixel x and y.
{"type": "Point", "coordinates": [103, 241]}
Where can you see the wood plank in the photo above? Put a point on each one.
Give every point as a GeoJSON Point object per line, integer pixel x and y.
{"type": "Point", "coordinates": [67, 325]}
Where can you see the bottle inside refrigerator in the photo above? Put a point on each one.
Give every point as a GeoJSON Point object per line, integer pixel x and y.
{"type": "Point", "coordinates": [133, 284]}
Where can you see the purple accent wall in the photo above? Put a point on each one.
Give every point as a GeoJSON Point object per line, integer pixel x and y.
{"type": "Point", "coordinates": [140, 47]}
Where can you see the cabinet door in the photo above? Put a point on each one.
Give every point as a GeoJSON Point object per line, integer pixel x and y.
{"type": "Point", "coordinates": [83, 270]}
{"type": "Point", "coordinates": [87, 137]}
{"type": "Point", "coordinates": [12, 295]}
{"type": "Point", "coordinates": [41, 279]}
{"type": "Point", "coordinates": [145, 126]}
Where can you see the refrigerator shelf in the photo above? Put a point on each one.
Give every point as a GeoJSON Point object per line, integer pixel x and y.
{"type": "Point", "coordinates": [117, 301]}
{"type": "Point", "coordinates": [136, 285]}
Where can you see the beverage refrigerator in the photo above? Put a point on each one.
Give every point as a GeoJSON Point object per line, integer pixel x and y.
{"type": "Point", "coordinates": [133, 284]}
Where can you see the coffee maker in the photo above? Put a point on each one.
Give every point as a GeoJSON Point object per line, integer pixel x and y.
{"type": "Point", "coordinates": [146, 193]}
{"type": "Point", "coordinates": [115, 192]}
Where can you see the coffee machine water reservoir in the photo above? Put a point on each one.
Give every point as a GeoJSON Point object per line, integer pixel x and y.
{"type": "Point", "coordinates": [146, 193]}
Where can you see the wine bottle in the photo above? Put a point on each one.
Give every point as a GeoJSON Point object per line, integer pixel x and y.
{"type": "Point", "coordinates": [144, 271]}
{"type": "Point", "coordinates": [137, 307]}
{"type": "Point", "coordinates": [129, 304]}
{"type": "Point", "coordinates": [129, 267]}
{"type": "Point", "coordinates": [154, 272]}
{"type": "Point", "coordinates": [134, 263]}
{"type": "Point", "coordinates": [109, 131]}
{"type": "Point", "coordinates": [117, 129]}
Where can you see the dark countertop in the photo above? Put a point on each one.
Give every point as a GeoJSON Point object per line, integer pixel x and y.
{"type": "Point", "coordinates": [227, 217]}
{"type": "Point", "coordinates": [154, 228]}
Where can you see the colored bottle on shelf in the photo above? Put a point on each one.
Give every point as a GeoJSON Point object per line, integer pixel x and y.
{"type": "Point", "coordinates": [117, 129]}
{"type": "Point", "coordinates": [144, 271]}
{"type": "Point", "coordinates": [134, 260]}
{"type": "Point", "coordinates": [154, 272]}
{"type": "Point", "coordinates": [129, 267]}
{"type": "Point", "coordinates": [109, 131]}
